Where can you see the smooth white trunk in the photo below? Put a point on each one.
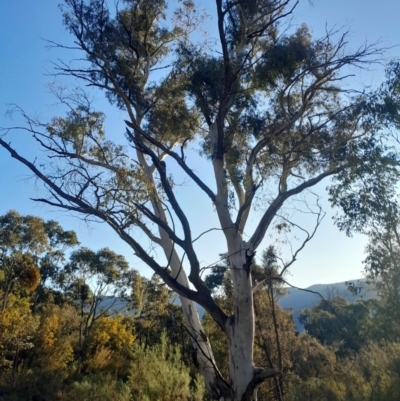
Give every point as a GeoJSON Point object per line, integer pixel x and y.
{"type": "Point", "coordinates": [203, 357]}
{"type": "Point", "coordinates": [240, 327]}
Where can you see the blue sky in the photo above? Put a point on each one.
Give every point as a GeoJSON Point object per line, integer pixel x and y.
{"type": "Point", "coordinates": [24, 65]}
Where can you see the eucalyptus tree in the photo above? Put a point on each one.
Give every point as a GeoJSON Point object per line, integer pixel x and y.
{"type": "Point", "coordinates": [155, 313]}
{"type": "Point", "coordinates": [30, 251]}
{"type": "Point", "coordinates": [382, 266]}
{"type": "Point", "coordinates": [265, 106]}
{"type": "Point", "coordinates": [275, 338]}
{"type": "Point", "coordinates": [95, 282]}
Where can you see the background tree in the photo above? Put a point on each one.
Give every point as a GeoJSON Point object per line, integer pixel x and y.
{"type": "Point", "coordinates": [382, 266]}
{"type": "Point", "coordinates": [17, 326]}
{"type": "Point", "coordinates": [29, 251]}
{"type": "Point", "coordinates": [266, 108]}
{"type": "Point", "coordinates": [153, 305]}
{"type": "Point", "coordinates": [41, 351]}
{"type": "Point", "coordinates": [96, 282]}
{"type": "Point", "coordinates": [275, 336]}
{"type": "Point", "coordinates": [337, 322]}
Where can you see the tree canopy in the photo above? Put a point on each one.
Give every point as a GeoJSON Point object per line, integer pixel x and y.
{"type": "Point", "coordinates": [266, 105]}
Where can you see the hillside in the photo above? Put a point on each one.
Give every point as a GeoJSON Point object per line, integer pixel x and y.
{"type": "Point", "coordinates": [295, 300]}
{"type": "Point", "coordinates": [298, 299]}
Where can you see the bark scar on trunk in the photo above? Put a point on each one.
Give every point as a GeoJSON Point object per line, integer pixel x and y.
{"type": "Point", "coordinates": [231, 323]}
{"type": "Point", "coordinates": [249, 261]}
{"type": "Point", "coordinates": [203, 336]}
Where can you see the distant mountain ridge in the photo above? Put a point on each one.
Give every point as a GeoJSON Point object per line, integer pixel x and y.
{"type": "Point", "coordinates": [295, 300]}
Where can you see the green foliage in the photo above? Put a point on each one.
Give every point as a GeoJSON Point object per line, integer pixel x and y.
{"type": "Point", "coordinates": [155, 313]}
{"type": "Point", "coordinates": [347, 354]}
{"type": "Point", "coordinates": [215, 278]}
{"type": "Point", "coordinates": [159, 374]}
{"type": "Point", "coordinates": [366, 194]}
{"type": "Point", "coordinates": [17, 328]}
{"type": "Point", "coordinates": [285, 58]}
{"type": "Point", "coordinates": [76, 126]}
{"type": "Point", "coordinates": [268, 108]}
{"type": "Point", "coordinates": [74, 350]}
{"type": "Point", "coordinates": [30, 252]}
{"type": "Point", "coordinates": [341, 324]}
{"type": "Point", "coordinates": [320, 375]}
{"type": "Point", "coordinates": [55, 340]}
{"type": "Point", "coordinates": [382, 266]}
{"type": "Point", "coordinates": [98, 387]}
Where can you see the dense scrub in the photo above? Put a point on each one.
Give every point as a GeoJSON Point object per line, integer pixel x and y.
{"type": "Point", "coordinates": [60, 340]}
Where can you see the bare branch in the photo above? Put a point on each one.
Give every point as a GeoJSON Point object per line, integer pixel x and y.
{"type": "Point", "coordinates": [175, 156]}
{"type": "Point", "coordinates": [274, 207]}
